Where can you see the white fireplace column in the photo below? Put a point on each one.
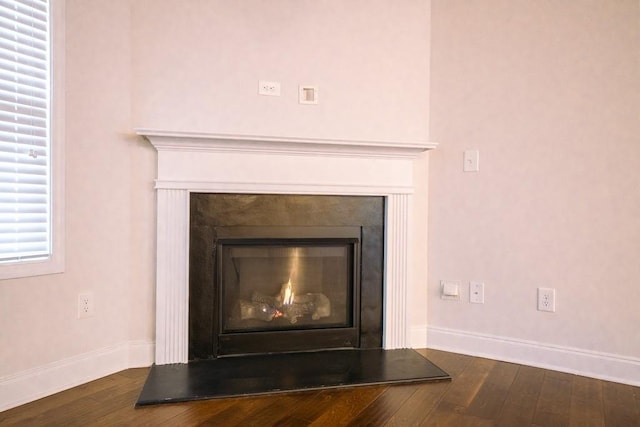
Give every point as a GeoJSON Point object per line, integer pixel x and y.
{"type": "Point", "coordinates": [172, 277]}
{"type": "Point", "coordinates": [189, 162]}
{"type": "Point", "coordinates": [396, 271]}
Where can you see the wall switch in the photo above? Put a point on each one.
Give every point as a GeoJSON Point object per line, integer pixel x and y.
{"type": "Point", "coordinates": [476, 292]}
{"type": "Point", "coordinates": [547, 299]}
{"type": "Point", "coordinates": [85, 305]}
{"type": "Point", "coordinates": [268, 88]}
{"type": "Point", "coordinates": [471, 161]}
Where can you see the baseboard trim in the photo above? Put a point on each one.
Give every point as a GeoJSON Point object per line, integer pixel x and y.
{"type": "Point", "coordinates": [27, 386]}
{"type": "Point", "coordinates": [600, 365]}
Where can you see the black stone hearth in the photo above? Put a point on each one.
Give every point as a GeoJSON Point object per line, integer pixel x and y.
{"type": "Point", "coordinates": [285, 372]}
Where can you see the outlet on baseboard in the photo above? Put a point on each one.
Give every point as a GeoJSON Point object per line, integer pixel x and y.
{"type": "Point", "coordinates": [85, 305]}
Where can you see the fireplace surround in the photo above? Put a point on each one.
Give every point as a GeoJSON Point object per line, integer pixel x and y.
{"type": "Point", "coordinates": [247, 251]}
{"type": "Point", "coordinates": [211, 163]}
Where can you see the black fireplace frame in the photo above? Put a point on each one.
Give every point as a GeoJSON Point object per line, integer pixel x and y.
{"type": "Point", "coordinates": [211, 210]}
{"type": "Point", "coordinates": [303, 339]}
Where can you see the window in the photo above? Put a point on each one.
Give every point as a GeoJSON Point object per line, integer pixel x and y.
{"type": "Point", "coordinates": [30, 139]}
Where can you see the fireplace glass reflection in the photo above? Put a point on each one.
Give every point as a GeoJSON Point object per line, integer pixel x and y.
{"type": "Point", "coordinates": [267, 287]}
{"type": "Point", "coordinates": [277, 289]}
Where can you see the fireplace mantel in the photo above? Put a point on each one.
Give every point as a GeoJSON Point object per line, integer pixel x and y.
{"type": "Point", "coordinates": [201, 162]}
{"type": "Point", "coordinates": [194, 141]}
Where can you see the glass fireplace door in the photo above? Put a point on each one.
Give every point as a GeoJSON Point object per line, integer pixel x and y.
{"type": "Point", "coordinates": [284, 294]}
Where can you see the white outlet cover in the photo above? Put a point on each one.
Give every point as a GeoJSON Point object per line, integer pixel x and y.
{"type": "Point", "coordinates": [85, 305]}
{"type": "Point", "coordinates": [547, 299]}
{"type": "Point", "coordinates": [476, 292]}
{"type": "Point", "coordinates": [268, 88]}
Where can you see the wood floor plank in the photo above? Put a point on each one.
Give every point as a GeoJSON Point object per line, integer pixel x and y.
{"type": "Point", "coordinates": [452, 408]}
{"type": "Point", "coordinates": [76, 413]}
{"type": "Point", "coordinates": [587, 408]}
{"type": "Point", "coordinates": [190, 413]}
{"type": "Point", "coordinates": [322, 401]}
{"type": "Point", "coordinates": [140, 417]}
{"type": "Point", "coordinates": [240, 412]}
{"type": "Point", "coordinates": [620, 405]}
{"type": "Point", "coordinates": [419, 405]}
{"type": "Point", "coordinates": [522, 398]}
{"type": "Point", "coordinates": [96, 409]}
{"type": "Point", "coordinates": [349, 406]}
{"type": "Point", "coordinates": [422, 404]}
{"type": "Point", "coordinates": [491, 397]}
{"type": "Point", "coordinates": [465, 386]}
{"type": "Point", "coordinates": [449, 414]}
{"type": "Point", "coordinates": [385, 406]}
{"type": "Point", "coordinates": [285, 409]}
{"type": "Point", "coordinates": [554, 403]}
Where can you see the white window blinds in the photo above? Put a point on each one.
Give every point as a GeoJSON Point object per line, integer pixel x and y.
{"type": "Point", "coordinates": [25, 213]}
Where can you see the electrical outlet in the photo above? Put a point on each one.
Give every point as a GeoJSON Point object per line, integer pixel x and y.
{"type": "Point", "coordinates": [476, 292]}
{"type": "Point", "coordinates": [85, 305]}
{"type": "Point", "coordinates": [268, 88]}
{"type": "Point", "coordinates": [547, 299]}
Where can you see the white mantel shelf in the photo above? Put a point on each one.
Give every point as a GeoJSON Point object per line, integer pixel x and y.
{"type": "Point", "coordinates": [214, 163]}
{"type": "Point", "coordinates": [193, 141]}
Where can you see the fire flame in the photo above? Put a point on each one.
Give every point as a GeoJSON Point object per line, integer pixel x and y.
{"type": "Point", "coordinates": [287, 298]}
{"type": "Point", "coordinates": [287, 289]}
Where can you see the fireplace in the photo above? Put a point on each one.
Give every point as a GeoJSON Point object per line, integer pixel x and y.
{"type": "Point", "coordinates": [272, 273]}
{"type": "Point", "coordinates": [191, 163]}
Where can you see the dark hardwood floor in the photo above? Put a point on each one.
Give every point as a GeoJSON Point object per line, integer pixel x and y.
{"type": "Point", "coordinates": [483, 392]}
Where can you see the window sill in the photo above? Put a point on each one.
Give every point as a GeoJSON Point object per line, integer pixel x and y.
{"type": "Point", "coordinates": [53, 265]}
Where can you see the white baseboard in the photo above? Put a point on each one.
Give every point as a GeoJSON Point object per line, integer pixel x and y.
{"type": "Point", "coordinates": [605, 366]}
{"type": "Point", "coordinates": [33, 384]}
